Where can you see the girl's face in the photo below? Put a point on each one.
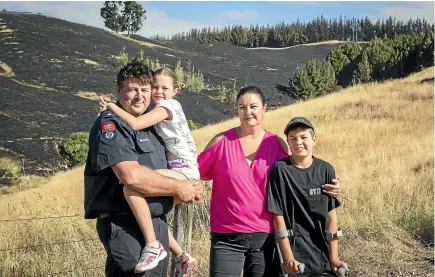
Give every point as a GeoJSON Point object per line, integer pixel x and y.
{"type": "Point", "coordinates": [163, 88]}
{"type": "Point", "coordinates": [250, 109]}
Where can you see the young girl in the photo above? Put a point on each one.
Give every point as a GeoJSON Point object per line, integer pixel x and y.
{"type": "Point", "coordinates": [169, 120]}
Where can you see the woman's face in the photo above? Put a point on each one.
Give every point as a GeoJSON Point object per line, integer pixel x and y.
{"type": "Point", "coordinates": [250, 109]}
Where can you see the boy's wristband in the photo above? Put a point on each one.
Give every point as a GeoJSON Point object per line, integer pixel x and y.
{"type": "Point", "coordinates": [330, 235]}
{"type": "Point", "coordinates": [283, 233]}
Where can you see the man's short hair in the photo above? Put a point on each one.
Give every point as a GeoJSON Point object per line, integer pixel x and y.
{"type": "Point", "coordinates": [136, 69]}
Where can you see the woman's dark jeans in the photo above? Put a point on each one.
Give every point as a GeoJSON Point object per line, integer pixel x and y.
{"type": "Point", "coordinates": [253, 253]}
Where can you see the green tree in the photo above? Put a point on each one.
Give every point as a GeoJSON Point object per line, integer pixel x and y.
{"type": "Point", "coordinates": [112, 16]}
{"type": "Point", "coordinates": [363, 71]}
{"type": "Point", "coordinates": [313, 79]}
{"type": "Point", "coordinates": [383, 57]}
{"type": "Point", "coordinates": [77, 146]}
{"type": "Point", "coordinates": [129, 19]}
{"type": "Point", "coordinates": [133, 17]}
{"type": "Point", "coordinates": [342, 55]}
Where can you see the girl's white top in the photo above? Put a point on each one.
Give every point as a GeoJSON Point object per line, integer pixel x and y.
{"type": "Point", "coordinates": [176, 134]}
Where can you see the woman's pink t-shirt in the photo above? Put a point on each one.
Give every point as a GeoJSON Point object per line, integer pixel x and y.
{"type": "Point", "coordinates": [238, 202]}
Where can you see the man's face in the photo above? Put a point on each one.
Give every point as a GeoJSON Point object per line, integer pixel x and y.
{"type": "Point", "coordinates": [134, 96]}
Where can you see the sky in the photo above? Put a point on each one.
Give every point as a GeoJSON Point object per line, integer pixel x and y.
{"type": "Point", "coordinates": [167, 18]}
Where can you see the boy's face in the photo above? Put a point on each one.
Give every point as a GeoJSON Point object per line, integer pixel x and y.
{"type": "Point", "coordinates": [301, 142]}
{"type": "Point", "coordinates": [134, 96]}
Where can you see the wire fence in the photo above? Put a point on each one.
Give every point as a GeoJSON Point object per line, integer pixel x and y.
{"type": "Point", "coordinates": [37, 218]}
{"type": "Point", "coordinates": [68, 271]}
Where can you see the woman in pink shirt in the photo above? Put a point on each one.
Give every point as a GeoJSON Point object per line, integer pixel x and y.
{"type": "Point", "coordinates": [238, 161]}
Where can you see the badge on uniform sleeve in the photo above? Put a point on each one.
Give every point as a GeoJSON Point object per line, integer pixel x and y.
{"type": "Point", "coordinates": [109, 129]}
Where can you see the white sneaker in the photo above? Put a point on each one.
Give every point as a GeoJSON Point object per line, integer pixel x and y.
{"type": "Point", "coordinates": [185, 264]}
{"type": "Point", "coordinates": [150, 258]}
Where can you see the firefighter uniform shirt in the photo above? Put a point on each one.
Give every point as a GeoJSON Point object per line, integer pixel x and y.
{"type": "Point", "coordinates": [112, 141]}
{"type": "Point", "coordinates": [296, 194]}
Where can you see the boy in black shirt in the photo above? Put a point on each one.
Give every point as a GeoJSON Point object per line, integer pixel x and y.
{"type": "Point", "coordinates": [303, 216]}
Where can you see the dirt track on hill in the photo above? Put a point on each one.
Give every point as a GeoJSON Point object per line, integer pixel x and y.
{"type": "Point", "coordinates": [52, 60]}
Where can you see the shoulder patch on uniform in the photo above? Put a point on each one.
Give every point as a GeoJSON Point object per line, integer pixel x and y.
{"type": "Point", "coordinates": [108, 129]}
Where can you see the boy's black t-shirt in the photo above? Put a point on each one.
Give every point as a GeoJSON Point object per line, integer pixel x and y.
{"type": "Point", "coordinates": [297, 192]}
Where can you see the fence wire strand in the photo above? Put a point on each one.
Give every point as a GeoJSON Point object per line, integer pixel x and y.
{"type": "Point", "coordinates": [47, 244]}
{"type": "Point", "coordinates": [37, 218]}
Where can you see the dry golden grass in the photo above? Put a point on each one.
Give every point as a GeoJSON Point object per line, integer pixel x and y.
{"type": "Point", "coordinates": [379, 137]}
{"type": "Point", "coordinates": [94, 96]}
{"type": "Point", "coordinates": [8, 166]}
{"type": "Point", "coordinates": [147, 44]}
{"type": "Point", "coordinates": [54, 60]}
{"type": "Point", "coordinates": [144, 43]}
{"type": "Point", "coordinates": [5, 70]}
{"type": "Point", "coordinates": [86, 61]}
{"type": "Point", "coordinates": [6, 30]}
{"type": "Point", "coordinates": [33, 84]}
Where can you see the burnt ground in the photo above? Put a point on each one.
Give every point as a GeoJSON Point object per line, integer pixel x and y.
{"type": "Point", "coordinates": [52, 60]}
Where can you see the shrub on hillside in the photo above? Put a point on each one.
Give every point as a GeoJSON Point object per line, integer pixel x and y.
{"type": "Point", "coordinates": [226, 95]}
{"type": "Point", "coordinates": [312, 79]}
{"type": "Point", "coordinates": [195, 81]}
{"type": "Point", "coordinates": [77, 147]}
{"type": "Point", "coordinates": [233, 93]}
{"type": "Point", "coordinates": [153, 64]}
{"type": "Point", "coordinates": [222, 93]}
{"type": "Point", "coordinates": [122, 57]}
{"type": "Point", "coordinates": [192, 125]}
{"type": "Point", "coordinates": [179, 73]}
{"type": "Point", "coordinates": [342, 55]}
{"type": "Point", "coordinates": [425, 51]}
{"type": "Point", "coordinates": [363, 71]}
{"type": "Point", "coordinates": [383, 57]}
{"type": "Point", "coordinates": [9, 171]}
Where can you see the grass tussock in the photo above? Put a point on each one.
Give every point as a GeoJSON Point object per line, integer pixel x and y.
{"type": "Point", "coordinates": [379, 137]}
{"type": "Point", "coordinates": [6, 30]}
{"type": "Point", "coordinates": [9, 167]}
{"type": "Point", "coordinates": [87, 61]}
{"type": "Point", "coordinates": [11, 179]}
{"type": "Point", "coordinates": [6, 70]}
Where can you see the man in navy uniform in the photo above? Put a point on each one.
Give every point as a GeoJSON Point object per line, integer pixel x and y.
{"type": "Point", "coordinates": [119, 156]}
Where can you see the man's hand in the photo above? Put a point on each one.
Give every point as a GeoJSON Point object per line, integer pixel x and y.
{"type": "Point", "coordinates": [291, 266]}
{"type": "Point", "coordinates": [334, 189]}
{"type": "Point", "coordinates": [186, 191]}
{"type": "Point", "coordinates": [336, 264]}
{"type": "Point", "coordinates": [199, 186]}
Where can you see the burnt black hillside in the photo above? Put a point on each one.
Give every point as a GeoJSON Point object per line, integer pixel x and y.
{"type": "Point", "coordinates": [48, 61]}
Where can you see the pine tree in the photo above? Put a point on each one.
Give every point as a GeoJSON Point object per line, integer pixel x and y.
{"type": "Point", "coordinates": [112, 16]}
{"type": "Point", "coordinates": [133, 15]}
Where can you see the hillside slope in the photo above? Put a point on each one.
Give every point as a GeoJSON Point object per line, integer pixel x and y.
{"type": "Point", "coordinates": [385, 162]}
{"type": "Point", "coordinates": [46, 63]}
